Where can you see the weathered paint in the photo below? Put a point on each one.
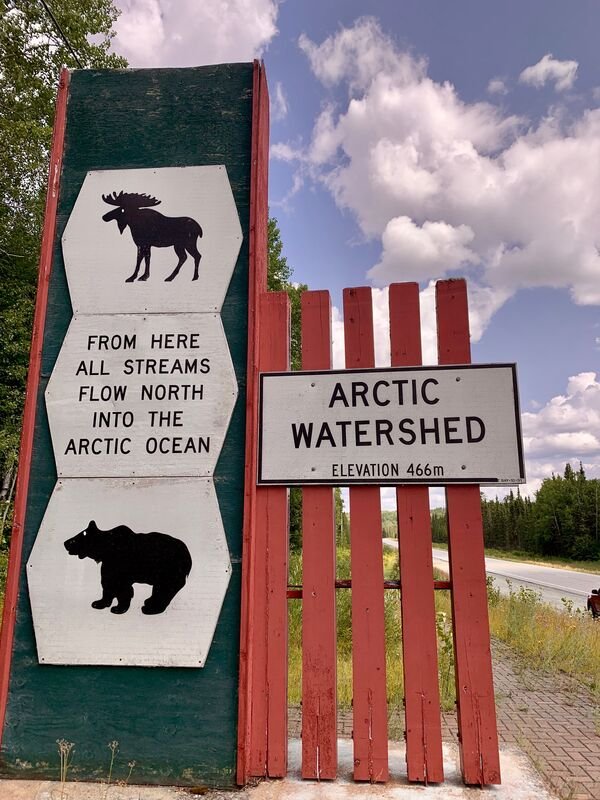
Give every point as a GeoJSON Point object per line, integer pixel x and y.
{"type": "Point", "coordinates": [370, 732]}
{"type": "Point", "coordinates": [33, 377]}
{"type": "Point", "coordinates": [268, 756]}
{"type": "Point", "coordinates": [319, 643]}
{"type": "Point", "coordinates": [92, 390]}
{"type": "Point", "coordinates": [178, 725]}
{"type": "Point", "coordinates": [257, 283]}
{"type": "Point", "coordinates": [478, 735]}
{"type": "Point", "coordinates": [62, 587]}
{"type": "Point", "coordinates": [428, 425]}
{"type": "Point", "coordinates": [423, 729]}
{"type": "Point", "coordinates": [100, 260]}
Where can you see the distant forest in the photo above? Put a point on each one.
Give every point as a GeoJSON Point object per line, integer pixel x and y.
{"type": "Point", "coordinates": [562, 520]}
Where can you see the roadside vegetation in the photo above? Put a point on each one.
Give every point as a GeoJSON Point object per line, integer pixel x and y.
{"type": "Point", "coordinates": [555, 641]}
{"type": "Point", "coordinates": [561, 523]}
{"type": "Point", "coordinates": [393, 633]}
{"type": "Point", "coordinates": [559, 642]}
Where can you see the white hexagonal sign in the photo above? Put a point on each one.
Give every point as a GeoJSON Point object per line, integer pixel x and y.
{"type": "Point", "coordinates": [157, 240]}
{"type": "Point", "coordinates": [129, 572]}
{"type": "Point", "coordinates": [141, 395]}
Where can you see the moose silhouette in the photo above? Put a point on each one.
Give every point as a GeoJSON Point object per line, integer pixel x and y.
{"type": "Point", "coordinates": [150, 228]}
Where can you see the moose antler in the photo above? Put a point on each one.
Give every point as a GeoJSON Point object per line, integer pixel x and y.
{"type": "Point", "coordinates": [113, 199]}
{"type": "Point", "coordinates": [131, 199]}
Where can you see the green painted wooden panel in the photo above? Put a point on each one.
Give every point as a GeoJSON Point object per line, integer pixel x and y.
{"type": "Point", "coordinates": [178, 725]}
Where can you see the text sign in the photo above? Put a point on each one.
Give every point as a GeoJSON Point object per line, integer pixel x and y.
{"type": "Point", "coordinates": [141, 395]}
{"type": "Point", "coordinates": [432, 425]}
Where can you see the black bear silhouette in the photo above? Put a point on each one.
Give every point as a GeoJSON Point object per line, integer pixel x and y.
{"type": "Point", "coordinates": [127, 558]}
{"type": "Point", "coordinates": [152, 229]}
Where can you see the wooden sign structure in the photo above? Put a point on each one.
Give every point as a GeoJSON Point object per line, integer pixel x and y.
{"type": "Point", "coordinates": [175, 470]}
{"type": "Point", "coordinates": [263, 751]}
{"type": "Point", "coordinates": [127, 545]}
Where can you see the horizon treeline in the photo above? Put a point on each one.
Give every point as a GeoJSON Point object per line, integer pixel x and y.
{"type": "Point", "coordinates": [563, 519]}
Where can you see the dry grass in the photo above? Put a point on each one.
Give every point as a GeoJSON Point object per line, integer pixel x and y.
{"type": "Point", "coordinates": [393, 632]}
{"type": "Point", "coordinates": [548, 639]}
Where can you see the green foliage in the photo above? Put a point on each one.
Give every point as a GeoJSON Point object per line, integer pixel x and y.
{"type": "Point", "coordinates": [279, 275]}
{"type": "Point", "coordinates": [393, 636]}
{"type": "Point", "coordinates": [31, 55]}
{"type": "Point", "coordinates": [389, 525]}
{"type": "Point", "coordinates": [342, 520]}
{"type": "Point", "coordinates": [547, 638]}
{"type": "Point", "coordinates": [563, 519]}
{"type": "Point", "coordinates": [439, 525]}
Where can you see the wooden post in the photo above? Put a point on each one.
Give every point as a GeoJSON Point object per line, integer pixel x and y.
{"type": "Point", "coordinates": [319, 645]}
{"type": "Point", "coordinates": [268, 756]}
{"type": "Point", "coordinates": [257, 284]}
{"type": "Point", "coordinates": [478, 737]}
{"type": "Point", "coordinates": [31, 394]}
{"type": "Point", "coordinates": [368, 624]}
{"type": "Point", "coordinates": [423, 730]}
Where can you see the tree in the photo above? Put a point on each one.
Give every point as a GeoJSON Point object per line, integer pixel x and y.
{"type": "Point", "coordinates": [279, 275]}
{"type": "Point", "coordinates": [32, 52]}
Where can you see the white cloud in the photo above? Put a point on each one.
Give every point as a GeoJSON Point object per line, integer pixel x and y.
{"type": "Point", "coordinates": [356, 54]}
{"type": "Point", "coordinates": [152, 33]}
{"type": "Point", "coordinates": [497, 86]}
{"type": "Point", "coordinates": [565, 429]}
{"type": "Point", "coordinates": [550, 70]}
{"type": "Point", "coordinates": [432, 249]}
{"type": "Point", "coordinates": [449, 186]}
{"type": "Point", "coordinates": [279, 103]}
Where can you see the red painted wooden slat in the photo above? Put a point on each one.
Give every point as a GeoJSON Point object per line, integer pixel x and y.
{"type": "Point", "coordinates": [257, 283]}
{"type": "Point", "coordinates": [480, 761]}
{"type": "Point", "coordinates": [423, 727]}
{"type": "Point", "coordinates": [33, 377]}
{"type": "Point", "coordinates": [368, 628]}
{"type": "Point", "coordinates": [268, 756]}
{"type": "Point", "coordinates": [319, 647]}
{"type": "Point", "coordinates": [273, 515]}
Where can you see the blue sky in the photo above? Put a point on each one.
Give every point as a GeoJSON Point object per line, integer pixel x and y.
{"type": "Point", "coordinates": [422, 139]}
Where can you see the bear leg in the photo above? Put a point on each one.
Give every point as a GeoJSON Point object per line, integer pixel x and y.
{"type": "Point", "coordinates": [124, 596]}
{"type": "Point", "coordinates": [162, 594]}
{"type": "Point", "coordinates": [108, 595]}
{"type": "Point", "coordinates": [104, 602]}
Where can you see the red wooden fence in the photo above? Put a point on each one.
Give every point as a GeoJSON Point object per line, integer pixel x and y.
{"type": "Point", "coordinates": [266, 738]}
{"type": "Point", "coordinates": [319, 699]}
{"type": "Point", "coordinates": [480, 763]}
{"type": "Point", "coordinates": [368, 624]}
{"type": "Point", "coordinates": [419, 639]}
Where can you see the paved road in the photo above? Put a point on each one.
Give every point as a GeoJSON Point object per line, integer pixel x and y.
{"type": "Point", "coordinates": [552, 582]}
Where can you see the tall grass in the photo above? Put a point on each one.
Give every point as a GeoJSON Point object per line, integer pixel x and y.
{"type": "Point", "coordinates": [393, 633]}
{"type": "Point", "coordinates": [548, 639]}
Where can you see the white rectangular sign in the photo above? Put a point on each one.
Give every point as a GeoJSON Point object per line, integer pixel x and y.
{"type": "Point", "coordinates": [431, 425]}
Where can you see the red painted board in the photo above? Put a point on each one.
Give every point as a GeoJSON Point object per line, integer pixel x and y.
{"type": "Point", "coordinates": [368, 625]}
{"type": "Point", "coordinates": [257, 283]}
{"type": "Point", "coordinates": [33, 376]}
{"type": "Point", "coordinates": [423, 728]}
{"type": "Point", "coordinates": [268, 756]}
{"type": "Point", "coordinates": [480, 762]}
{"type": "Point", "coordinates": [319, 647]}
